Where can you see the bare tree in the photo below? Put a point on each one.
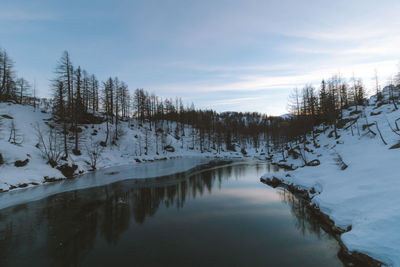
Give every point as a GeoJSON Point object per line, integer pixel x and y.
{"type": "Point", "coordinates": [49, 145]}
{"type": "Point", "coordinates": [34, 95]}
{"type": "Point", "coordinates": [23, 86]}
{"type": "Point", "coordinates": [15, 138]}
{"type": "Point", "coordinates": [379, 95]}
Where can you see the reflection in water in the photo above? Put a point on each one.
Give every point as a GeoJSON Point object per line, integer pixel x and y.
{"type": "Point", "coordinates": [305, 220]}
{"type": "Point", "coordinates": [69, 228]}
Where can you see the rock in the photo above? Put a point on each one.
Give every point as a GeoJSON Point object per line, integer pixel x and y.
{"type": "Point", "coordinates": [53, 163]}
{"type": "Point", "coordinates": [48, 179]}
{"type": "Point", "coordinates": [308, 150]}
{"type": "Point", "coordinates": [375, 113]}
{"type": "Point", "coordinates": [20, 163]}
{"type": "Point", "coordinates": [76, 152]}
{"type": "Point", "coordinates": [73, 128]}
{"type": "Point", "coordinates": [68, 171]}
{"type": "Point", "coordinates": [294, 154]}
{"type": "Point", "coordinates": [1, 159]}
{"type": "Point", "coordinates": [244, 152]}
{"type": "Point", "coordinates": [169, 148]}
{"type": "Point", "coordinates": [269, 157]}
{"type": "Point", "coordinates": [111, 173]}
{"type": "Point", "coordinates": [5, 116]}
{"type": "Point", "coordinates": [285, 166]}
{"type": "Point", "coordinates": [314, 162]}
{"type": "Point", "coordinates": [274, 182]}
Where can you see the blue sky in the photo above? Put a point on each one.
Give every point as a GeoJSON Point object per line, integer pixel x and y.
{"type": "Point", "coordinates": [225, 55]}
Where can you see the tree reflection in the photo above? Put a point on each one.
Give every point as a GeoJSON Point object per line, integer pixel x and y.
{"type": "Point", "coordinates": [306, 220]}
{"type": "Point", "coordinates": [71, 227]}
{"type": "Point", "coordinates": [63, 228]}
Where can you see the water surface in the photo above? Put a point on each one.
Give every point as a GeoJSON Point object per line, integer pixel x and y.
{"type": "Point", "coordinates": [218, 217]}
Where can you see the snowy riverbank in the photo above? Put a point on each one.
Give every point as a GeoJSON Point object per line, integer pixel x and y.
{"type": "Point", "coordinates": [357, 183]}
{"type": "Point", "coordinates": [107, 176]}
{"type": "Point", "coordinates": [131, 148]}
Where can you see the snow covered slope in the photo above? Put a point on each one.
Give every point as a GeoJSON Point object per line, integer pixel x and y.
{"type": "Point", "coordinates": [129, 149]}
{"type": "Point", "coordinates": [36, 169]}
{"type": "Point", "coordinates": [366, 194]}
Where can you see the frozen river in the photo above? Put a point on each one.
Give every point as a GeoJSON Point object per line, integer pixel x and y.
{"type": "Point", "coordinates": [221, 216]}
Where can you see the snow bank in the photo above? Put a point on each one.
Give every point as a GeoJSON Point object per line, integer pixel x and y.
{"type": "Point", "coordinates": [25, 119]}
{"type": "Point", "coordinates": [366, 195]}
{"type": "Point", "coordinates": [102, 177]}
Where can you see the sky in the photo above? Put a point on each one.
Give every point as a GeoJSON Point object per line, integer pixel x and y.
{"type": "Point", "coordinates": [228, 55]}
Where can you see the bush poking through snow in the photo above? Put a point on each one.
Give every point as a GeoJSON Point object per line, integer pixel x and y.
{"type": "Point", "coordinates": [49, 146]}
{"type": "Point", "coordinates": [94, 151]}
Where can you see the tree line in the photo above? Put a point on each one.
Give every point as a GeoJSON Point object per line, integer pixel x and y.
{"type": "Point", "coordinates": [80, 98]}
{"type": "Point", "coordinates": [12, 87]}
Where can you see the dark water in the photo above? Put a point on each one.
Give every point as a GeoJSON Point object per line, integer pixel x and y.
{"type": "Point", "coordinates": [218, 217]}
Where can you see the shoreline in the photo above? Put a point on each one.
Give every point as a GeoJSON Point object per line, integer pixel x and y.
{"type": "Point", "coordinates": [348, 258]}
{"type": "Point", "coordinates": [144, 172]}
{"type": "Point", "coordinates": [47, 180]}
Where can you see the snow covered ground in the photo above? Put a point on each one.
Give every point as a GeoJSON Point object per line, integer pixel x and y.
{"type": "Point", "coordinates": [130, 147]}
{"type": "Point", "coordinates": [365, 195]}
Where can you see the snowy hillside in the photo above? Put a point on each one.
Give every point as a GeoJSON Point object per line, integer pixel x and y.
{"type": "Point", "coordinates": [129, 149]}
{"type": "Point", "coordinates": [358, 181]}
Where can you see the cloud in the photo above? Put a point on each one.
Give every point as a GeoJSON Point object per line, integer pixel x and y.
{"type": "Point", "coordinates": [234, 101]}
{"type": "Point", "coordinates": [230, 68]}
{"type": "Point", "coordinates": [248, 83]}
